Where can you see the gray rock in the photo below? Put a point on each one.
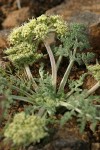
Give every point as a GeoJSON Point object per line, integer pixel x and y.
{"type": "Point", "coordinates": [95, 146]}
{"type": "Point", "coordinates": [72, 143]}
{"type": "Point", "coordinates": [86, 17]}
{"type": "Point", "coordinates": [87, 12]}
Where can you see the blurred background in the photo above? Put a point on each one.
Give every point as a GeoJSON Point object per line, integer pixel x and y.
{"type": "Point", "coordinates": [15, 12]}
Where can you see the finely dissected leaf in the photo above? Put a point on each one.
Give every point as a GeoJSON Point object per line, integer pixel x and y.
{"type": "Point", "coordinates": [84, 107]}
{"type": "Point", "coordinates": [84, 58]}
{"type": "Point", "coordinates": [67, 116]}
{"type": "Point", "coordinates": [75, 37]}
{"type": "Point", "coordinates": [75, 85]}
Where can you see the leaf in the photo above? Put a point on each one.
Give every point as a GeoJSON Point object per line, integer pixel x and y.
{"type": "Point", "coordinates": [66, 117]}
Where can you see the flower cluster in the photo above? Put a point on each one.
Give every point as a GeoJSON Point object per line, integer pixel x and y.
{"type": "Point", "coordinates": [38, 28]}
{"type": "Point", "coordinates": [40, 31]}
{"type": "Point", "coordinates": [23, 54]}
{"type": "Point", "coordinates": [60, 27]}
{"type": "Point", "coordinates": [42, 19]}
{"type": "Point", "coordinates": [55, 18]}
{"type": "Point", "coordinates": [27, 32]}
{"type": "Point", "coordinates": [15, 36]}
{"type": "Point", "coordinates": [95, 70]}
{"type": "Point", "coordinates": [25, 129]}
{"type": "Point", "coordinates": [23, 51]}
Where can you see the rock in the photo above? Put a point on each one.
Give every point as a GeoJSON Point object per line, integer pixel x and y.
{"type": "Point", "coordinates": [17, 17]}
{"type": "Point", "coordinates": [95, 37]}
{"type": "Point", "coordinates": [73, 11]}
{"type": "Point", "coordinates": [95, 146]}
{"type": "Point", "coordinates": [68, 138]}
{"type": "Point", "coordinates": [1, 18]}
{"type": "Point", "coordinates": [72, 143]}
{"type": "Point", "coordinates": [31, 148]}
{"type": "Point", "coordinates": [3, 40]}
{"type": "Point", "coordinates": [3, 43]}
{"type": "Point", "coordinates": [86, 17]}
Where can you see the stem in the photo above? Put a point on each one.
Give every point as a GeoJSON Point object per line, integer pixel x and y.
{"type": "Point", "coordinates": [18, 4]}
{"type": "Point", "coordinates": [41, 112]}
{"type": "Point", "coordinates": [69, 93]}
{"type": "Point", "coordinates": [21, 91]}
{"type": "Point", "coordinates": [53, 64]}
{"type": "Point", "coordinates": [59, 61]}
{"type": "Point", "coordinates": [54, 72]}
{"type": "Point", "coordinates": [29, 74]}
{"type": "Point", "coordinates": [66, 75]}
{"type": "Point", "coordinates": [93, 89]}
{"type": "Point", "coordinates": [25, 99]}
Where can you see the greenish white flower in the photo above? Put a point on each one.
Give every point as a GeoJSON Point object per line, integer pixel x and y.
{"type": "Point", "coordinates": [27, 30]}
{"type": "Point", "coordinates": [60, 27]}
{"type": "Point", "coordinates": [40, 31]}
{"type": "Point", "coordinates": [32, 23]}
{"type": "Point", "coordinates": [55, 18]}
{"type": "Point", "coordinates": [25, 129]}
{"type": "Point", "coordinates": [23, 50]}
{"type": "Point", "coordinates": [23, 54]}
{"type": "Point", "coordinates": [95, 70]}
{"type": "Point", "coordinates": [42, 19]}
{"type": "Point", "coordinates": [15, 36]}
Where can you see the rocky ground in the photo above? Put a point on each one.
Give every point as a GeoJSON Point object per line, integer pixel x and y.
{"type": "Point", "coordinates": [13, 14]}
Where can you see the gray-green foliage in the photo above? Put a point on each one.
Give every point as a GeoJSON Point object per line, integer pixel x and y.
{"type": "Point", "coordinates": [75, 37]}
{"type": "Point", "coordinates": [84, 58]}
{"type": "Point", "coordinates": [75, 85]}
{"type": "Point", "coordinates": [24, 42]}
{"type": "Point", "coordinates": [84, 107]}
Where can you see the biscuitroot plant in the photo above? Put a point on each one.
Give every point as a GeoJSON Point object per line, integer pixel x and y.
{"type": "Point", "coordinates": [43, 93]}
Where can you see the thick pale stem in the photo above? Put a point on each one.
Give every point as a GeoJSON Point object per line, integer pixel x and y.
{"type": "Point", "coordinates": [53, 64]}
{"type": "Point", "coordinates": [93, 89]}
{"type": "Point", "coordinates": [41, 112]}
{"type": "Point", "coordinates": [66, 75]}
{"type": "Point", "coordinates": [21, 98]}
{"type": "Point", "coordinates": [18, 4]}
{"type": "Point", "coordinates": [29, 74]}
{"type": "Point", "coordinates": [70, 93]}
{"type": "Point", "coordinates": [59, 61]}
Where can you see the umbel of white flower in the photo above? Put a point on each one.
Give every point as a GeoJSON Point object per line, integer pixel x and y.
{"type": "Point", "coordinates": [25, 129]}
{"type": "Point", "coordinates": [22, 54]}
{"type": "Point", "coordinates": [25, 39]}
{"type": "Point", "coordinates": [38, 29]}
